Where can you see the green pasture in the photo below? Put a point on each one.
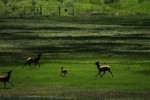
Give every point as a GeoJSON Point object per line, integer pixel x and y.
{"type": "Point", "coordinates": [76, 44]}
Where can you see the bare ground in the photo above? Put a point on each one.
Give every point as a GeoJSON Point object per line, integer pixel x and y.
{"type": "Point", "coordinates": [70, 94]}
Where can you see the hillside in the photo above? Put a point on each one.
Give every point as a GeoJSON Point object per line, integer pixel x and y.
{"type": "Point", "coordinates": [78, 7]}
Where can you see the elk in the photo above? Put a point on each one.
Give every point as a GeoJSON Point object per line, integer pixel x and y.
{"type": "Point", "coordinates": [63, 71]}
{"type": "Point", "coordinates": [31, 60]}
{"type": "Point", "coordinates": [102, 69]}
{"type": "Point", "coordinates": [5, 79]}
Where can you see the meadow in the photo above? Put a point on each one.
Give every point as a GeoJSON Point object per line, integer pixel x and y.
{"type": "Point", "coordinates": [76, 43]}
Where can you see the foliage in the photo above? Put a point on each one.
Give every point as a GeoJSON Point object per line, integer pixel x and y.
{"type": "Point", "coordinates": [33, 2]}
{"type": "Point", "coordinates": [61, 1]}
{"type": "Point", "coordinates": [5, 1]}
{"type": "Point", "coordinates": [141, 1]}
{"type": "Point", "coordinates": [81, 7]}
{"type": "Point", "coordinates": [95, 2]}
{"type": "Point", "coordinates": [110, 1]}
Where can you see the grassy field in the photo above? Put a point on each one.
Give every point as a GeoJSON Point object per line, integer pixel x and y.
{"type": "Point", "coordinates": [76, 44]}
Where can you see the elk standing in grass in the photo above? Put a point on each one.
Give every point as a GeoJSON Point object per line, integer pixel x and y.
{"type": "Point", "coordinates": [35, 61]}
{"type": "Point", "coordinates": [5, 79]}
{"type": "Point", "coordinates": [63, 71]}
{"type": "Point", "coordinates": [102, 69]}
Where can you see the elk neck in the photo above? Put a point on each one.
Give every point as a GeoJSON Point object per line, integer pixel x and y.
{"type": "Point", "coordinates": [8, 76]}
{"type": "Point", "coordinates": [39, 56]}
{"type": "Point", "coordinates": [98, 66]}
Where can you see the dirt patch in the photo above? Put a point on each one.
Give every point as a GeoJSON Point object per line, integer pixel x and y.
{"type": "Point", "coordinates": [73, 94]}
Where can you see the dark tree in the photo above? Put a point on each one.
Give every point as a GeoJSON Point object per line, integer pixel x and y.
{"type": "Point", "coordinates": [33, 4]}
{"type": "Point", "coordinates": [110, 1]}
{"type": "Point", "coordinates": [61, 1]}
{"type": "Point", "coordinates": [141, 1]}
{"type": "Point", "coordinates": [5, 3]}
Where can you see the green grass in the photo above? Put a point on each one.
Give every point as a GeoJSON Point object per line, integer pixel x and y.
{"type": "Point", "coordinates": [80, 81]}
{"type": "Point", "coordinates": [68, 42]}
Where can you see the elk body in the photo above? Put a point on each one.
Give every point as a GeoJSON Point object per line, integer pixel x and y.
{"type": "Point", "coordinates": [6, 79]}
{"type": "Point", "coordinates": [63, 71]}
{"type": "Point", "coordinates": [103, 69]}
{"type": "Point", "coordinates": [34, 61]}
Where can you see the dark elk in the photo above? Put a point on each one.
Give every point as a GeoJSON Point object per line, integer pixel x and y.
{"type": "Point", "coordinates": [34, 61]}
{"type": "Point", "coordinates": [103, 69]}
{"type": "Point", "coordinates": [6, 79]}
{"type": "Point", "coordinates": [63, 71]}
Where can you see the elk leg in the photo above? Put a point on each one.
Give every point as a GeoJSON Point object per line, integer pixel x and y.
{"type": "Point", "coordinates": [65, 73]}
{"type": "Point", "coordinates": [11, 83]}
{"type": "Point", "coordinates": [29, 65]}
{"type": "Point", "coordinates": [111, 73]}
{"type": "Point", "coordinates": [98, 74]}
{"type": "Point", "coordinates": [35, 64]}
{"type": "Point", "coordinates": [103, 74]}
{"type": "Point", "coordinates": [4, 84]}
{"type": "Point", "coordinates": [24, 64]}
{"type": "Point", "coordinates": [38, 64]}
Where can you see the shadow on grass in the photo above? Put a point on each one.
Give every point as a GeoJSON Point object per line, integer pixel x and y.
{"type": "Point", "coordinates": [144, 72]}
{"type": "Point", "coordinates": [25, 27]}
{"type": "Point", "coordinates": [5, 88]}
{"type": "Point", "coordinates": [32, 98]}
{"type": "Point", "coordinates": [86, 95]}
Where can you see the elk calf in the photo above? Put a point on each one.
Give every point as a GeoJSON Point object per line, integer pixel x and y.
{"type": "Point", "coordinates": [102, 69]}
{"type": "Point", "coordinates": [5, 79]}
{"type": "Point", "coordinates": [63, 71]}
